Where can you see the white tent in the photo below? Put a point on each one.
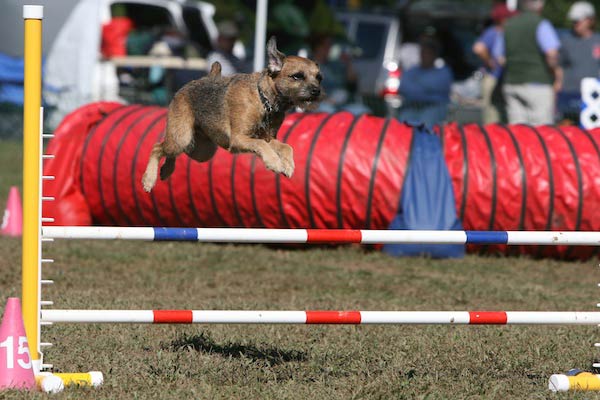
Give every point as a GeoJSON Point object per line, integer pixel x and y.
{"type": "Point", "coordinates": [73, 75]}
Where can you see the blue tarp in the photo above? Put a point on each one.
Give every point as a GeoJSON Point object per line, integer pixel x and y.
{"type": "Point", "coordinates": [427, 200]}
{"type": "Point", "coordinates": [11, 79]}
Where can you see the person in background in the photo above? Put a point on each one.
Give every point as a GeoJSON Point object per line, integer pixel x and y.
{"type": "Point", "coordinates": [493, 103]}
{"type": "Point", "coordinates": [223, 53]}
{"type": "Point", "coordinates": [425, 89]}
{"type": "Point", "coordinates": [532, 73]}
{"type": "Point", "coordinates": [579, 57]}
{"type": "Point", "coordinates": [340, 80]}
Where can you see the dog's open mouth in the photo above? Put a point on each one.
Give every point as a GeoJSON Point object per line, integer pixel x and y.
{"type": "Point", "coordinates": [309, 103]}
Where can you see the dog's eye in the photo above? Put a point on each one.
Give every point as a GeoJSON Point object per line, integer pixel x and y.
{"type": "Point", "coordinates": [319, 77]}
{"type": "Point", "coordinates": [298, 76]}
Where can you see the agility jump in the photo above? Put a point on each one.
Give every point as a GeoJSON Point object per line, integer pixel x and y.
{"type": "Point", "coordinates": [322, 317]}
{"type": "Point", "coordinates": [34, 234]}
{"type": "Point", "coordinates": [322, 236]}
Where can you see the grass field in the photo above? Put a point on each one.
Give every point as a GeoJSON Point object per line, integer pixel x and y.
{"type": "Point", "coordinates": [298, 362]}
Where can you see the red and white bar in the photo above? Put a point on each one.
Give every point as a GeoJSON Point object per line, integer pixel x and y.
{"type": "Point", "coordinates": [316, 236]}
{"type": "Point", "coordinates": [322, 317]}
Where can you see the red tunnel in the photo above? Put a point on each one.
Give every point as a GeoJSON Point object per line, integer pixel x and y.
{"type": "Point", "coordinates": [349, 174]}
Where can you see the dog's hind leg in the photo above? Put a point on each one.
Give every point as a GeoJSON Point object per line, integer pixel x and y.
{"type": "Point", "coordinates": [203, 149]}
{"type": "Point", "coordinates": [149, 178]}
{"type": "Point", "coordinates": [167, 168]}
{"type": "Point", "coordinates": [180, 131]}
{"type": "Point", "coordinates": [178, 138]}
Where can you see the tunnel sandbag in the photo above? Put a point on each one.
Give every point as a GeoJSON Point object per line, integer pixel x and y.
{"type": "Point", "coordinates": [427, 201]}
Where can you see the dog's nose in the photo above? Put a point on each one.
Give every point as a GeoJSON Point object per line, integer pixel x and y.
{"type": "Point", "coordinates": [315, 91]}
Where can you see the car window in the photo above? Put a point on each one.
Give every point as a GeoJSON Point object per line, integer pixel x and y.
{"type": "Point", "coordinates": [370, 38]}
{"type": "Point", "coordinates": [345, 23]}
{"type": "Point", "coordinates": [197, 30]}
{"type": "Point", "coordinates": [466, 37]}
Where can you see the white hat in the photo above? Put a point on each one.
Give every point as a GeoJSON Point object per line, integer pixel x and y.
{"type": "Point", "coordinates": [581, 10]}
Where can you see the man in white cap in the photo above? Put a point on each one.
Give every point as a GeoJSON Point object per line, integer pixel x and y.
{"type": "Point", "coordinates": [580, 51]}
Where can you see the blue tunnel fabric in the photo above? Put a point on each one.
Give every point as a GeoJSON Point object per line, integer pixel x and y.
{"type": "Point", "coordinates": [427, 200]}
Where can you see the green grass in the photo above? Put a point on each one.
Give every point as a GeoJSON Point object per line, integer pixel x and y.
{"type": "Point", "coordinates": [11, 167]}
{"type": "Point", "coordinates": [298, 362]}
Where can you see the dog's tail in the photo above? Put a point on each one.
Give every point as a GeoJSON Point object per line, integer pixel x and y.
{"type": "Point", "coordinates": [215, 70]}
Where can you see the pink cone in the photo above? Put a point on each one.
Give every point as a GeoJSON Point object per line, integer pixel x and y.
{"type": "Point", "coordinates": [16, 371]}
{"type": "Point", "coordinates": [12, 221]}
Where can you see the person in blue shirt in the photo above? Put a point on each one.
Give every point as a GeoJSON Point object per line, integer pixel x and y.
{"type": "Point", "coordinates": [425, 89]}
{"type": "Point", "coordinates": [492, 101]}
{"type": "Point", "coordinates": [340, 81]}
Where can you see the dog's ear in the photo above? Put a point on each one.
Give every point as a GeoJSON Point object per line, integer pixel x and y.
{"type": "Point", "coordinates": [275, 57]}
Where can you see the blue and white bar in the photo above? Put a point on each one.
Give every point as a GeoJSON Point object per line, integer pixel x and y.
{"type": "Point", "coordinates": [252, 235]}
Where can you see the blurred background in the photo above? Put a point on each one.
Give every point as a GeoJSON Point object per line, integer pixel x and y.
{"type": "Point", "coordinates": [143, 51]}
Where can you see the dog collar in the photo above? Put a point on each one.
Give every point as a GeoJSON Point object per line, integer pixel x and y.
{"type": "Point", "coordinates": [263, 99]}
{"type": "Point", "coordinates": [281, 102]}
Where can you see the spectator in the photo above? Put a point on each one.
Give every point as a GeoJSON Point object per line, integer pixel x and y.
{"type": "Point", "coordinates": [579, 56]}
{"type": "Point", "coordinates": [493, 103]}
{"type": "Point", "coordinates": [223, 53]}
{"type": "Point", "coordinates": [532, 74]}
{"type": "Point", "coordinates": [409, 55]}
{"type": "Point", "coordinates": [340, 80]}
{"type": "Point", "coordinates": [425, 89]}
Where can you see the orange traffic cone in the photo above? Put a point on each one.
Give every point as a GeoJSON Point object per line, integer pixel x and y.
{"type": "Point", "coordinates": [16, 371]}
{"type": "Point", "coordinates": [12, 221]}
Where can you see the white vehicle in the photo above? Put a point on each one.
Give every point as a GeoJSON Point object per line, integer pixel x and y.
{"type": "Point", "coordinates": [377, 39]}
{"type": "Point", "coordinates": [75, 72]}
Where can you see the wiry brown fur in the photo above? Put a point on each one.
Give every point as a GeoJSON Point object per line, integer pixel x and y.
{"type": "Point", "coordinates": [228, 112]}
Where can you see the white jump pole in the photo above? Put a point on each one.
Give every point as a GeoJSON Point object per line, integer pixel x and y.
{"type": "Point", "coordinates": [315, 236]}
{"type": "Point", "coordinates": [260, 35]}
{"type": "Point", "coordinates": [321, 317]}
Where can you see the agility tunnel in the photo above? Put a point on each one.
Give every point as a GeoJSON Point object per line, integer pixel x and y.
{"type": "Point", "coordinates": [350, 173]}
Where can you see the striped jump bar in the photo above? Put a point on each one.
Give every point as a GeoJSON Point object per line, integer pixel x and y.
{"type": "Point", "coordinates": [316, 236]}
{"type": "Point", "coordinates": [321, 317]}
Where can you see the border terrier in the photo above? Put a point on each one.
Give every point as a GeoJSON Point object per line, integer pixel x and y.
{"type": "Point", "coordinates": [240, 113]}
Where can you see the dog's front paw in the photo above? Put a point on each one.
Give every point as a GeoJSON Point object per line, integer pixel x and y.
{"type": "Point", "coordinates": [288, 167]}
{"type": "Point", "coordinates": [274, 164]}
{"type": "Point", "coordinates": [286, 154]}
